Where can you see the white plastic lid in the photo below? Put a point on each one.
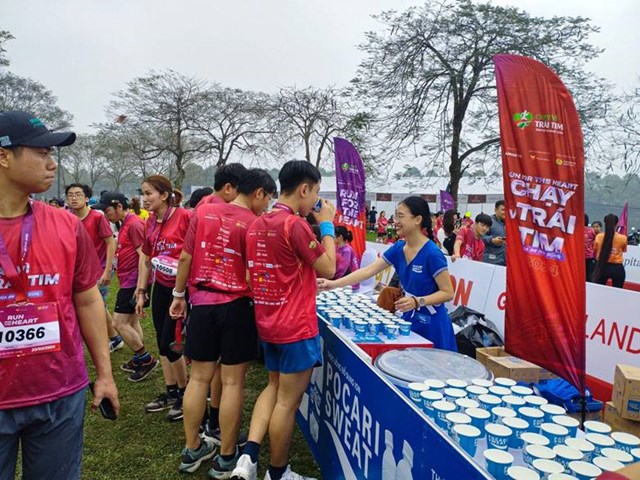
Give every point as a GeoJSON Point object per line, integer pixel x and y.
{"type": "Point", "coordinates": [567, 452]}
{"type": "Point", "coordinates": [547, 466]}
{"type": "Point", "coordinates": [626, 438]}
{"type": "Point", "coordinates": [584, 468]}
{"type": "Point", "coordinates": [522, 473]}
{"type": "Point", "coordinates": [497, 429]}
{"type": "Point", "coordinates": [617, 454]}
{"type": "Point", "coordinates": [554, 429]}
{"type": "Point", "coordinates": [498, 456]}
{"type": "Point", "coordinates": [539, 451]}
{"type": "Point", "coordinates": [597, 427]}
{"type": "Point", "coordinates": [607, 464]}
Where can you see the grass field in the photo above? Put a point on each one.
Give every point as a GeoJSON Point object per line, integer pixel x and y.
{"type": "Point", "coordinates": [145, 446]}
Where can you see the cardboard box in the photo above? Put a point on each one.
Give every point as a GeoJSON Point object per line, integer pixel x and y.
{"type": "Point", "coordinates": [516, 369]}
{"type": "Point", "coordinates": [626, 391]}
{"type": "Point", "coordinates": [612, 417]}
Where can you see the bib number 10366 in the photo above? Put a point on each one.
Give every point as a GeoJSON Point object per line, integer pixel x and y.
{"type": "Point", "coordinates": [29, 329]}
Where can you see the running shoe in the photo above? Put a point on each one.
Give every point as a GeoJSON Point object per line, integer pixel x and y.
{"type": "Point", "coordinates": [130, 366]}
{"type": "Point", "coordinates": [214, 436]}
{"type": "Point", "coordinates": [116, 344]}
{"type": "Point", "coordinates": [161, 402]}
{"type": "Point", "coordinates": [144, 370]}
{"type": "Point", "coordinates": [245, 469]}
{"type": "Point", "coordinates": [192, 459]}
{"type": "Point", "coordinates": [222, 469]}
{"type": "Point", "coordinates": [289, 475]}
{"type": "Point", "coordinates": [175, 412]}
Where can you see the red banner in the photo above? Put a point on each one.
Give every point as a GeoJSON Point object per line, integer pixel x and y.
{"type": "Point", "coordinates": [543, 172]}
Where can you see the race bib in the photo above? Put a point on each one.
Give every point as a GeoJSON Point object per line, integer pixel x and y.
{"type": "Point", "coordinates": [165, 265]}
{"type": "Point", "coordinates": [29, 329]}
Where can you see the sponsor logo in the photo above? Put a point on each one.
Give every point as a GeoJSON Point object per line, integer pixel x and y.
{"type": "Point", "coordinates": [313, 245]}
{"type": "Point", "coordinates": [543, 122]}
{"type": "Point", "coordinates": [522, 119]}
{"type": "Point", "coordinates": [36, 123]}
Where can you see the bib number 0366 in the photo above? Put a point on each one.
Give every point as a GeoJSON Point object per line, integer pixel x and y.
{"type": "Point", "coordinates": [22, 334]}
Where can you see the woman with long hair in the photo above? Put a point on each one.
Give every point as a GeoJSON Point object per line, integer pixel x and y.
{"type": "Point", "coordinates": [164, 235]}
{"type": "Point", "coordinates": [423, 273]}
{"type": "Point", "coordinates": [347, 260]}
{"type": "Point", "coordinates": [447, 234]}
{"type": "Point", "coordinates": [608, 248]}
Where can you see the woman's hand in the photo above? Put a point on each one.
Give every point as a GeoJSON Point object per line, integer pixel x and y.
{"type": "Point", "coordinates": [405, 304]}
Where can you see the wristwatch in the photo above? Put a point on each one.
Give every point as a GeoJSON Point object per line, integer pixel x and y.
{"type": "Point", "coordinates": [422, 302]}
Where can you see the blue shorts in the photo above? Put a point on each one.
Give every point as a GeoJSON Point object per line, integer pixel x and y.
{"type": "Point", "coordinates": [50, 436]}
{"type": "Point", "coordinates": [293, 357]}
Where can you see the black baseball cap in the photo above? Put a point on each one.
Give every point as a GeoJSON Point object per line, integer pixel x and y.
{"type": "Point", "coordinates": [111, 199]}
{"type": "Point", "coordinates": [22, 129]}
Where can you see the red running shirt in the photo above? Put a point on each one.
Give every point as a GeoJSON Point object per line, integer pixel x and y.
{"type": "Point", "coordinates": [98, 229]}
{"type": "Point", "coordinates": [61, 261]}
{"type": "Point", "coordinates": [281, 249]}
{"type": "Point", "coordinates": [130, 238]}
{"type": "Point", "coordinates": [210, 199]}
{"type": "Point", "coordinates": [166, 238]}
{"type": "Point", "coordinates": [471, 247]}
{"type": "Point", "coordinates": [216, 241]}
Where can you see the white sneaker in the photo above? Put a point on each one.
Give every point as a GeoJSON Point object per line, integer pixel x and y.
{"type": "Point", "coordinates": [245, 469]}
{"type": "Point", "coordinates": [289, 475]}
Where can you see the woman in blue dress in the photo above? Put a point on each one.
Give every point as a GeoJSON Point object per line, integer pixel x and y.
{"type": "Point", "coordinates": [423, 274]}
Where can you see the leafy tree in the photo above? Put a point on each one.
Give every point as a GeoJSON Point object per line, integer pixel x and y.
{"type": "Point", "coordinates": [230, 120]}
{"type": "Point", "coordinates": [158, 111]}
{"type": "Point", "coordinates": [86, 161]}
{"type": "Point", "coordinates": [430, 74]}
{"type": "Point", "coordinates": [310, 117]}
{"type": "Point", "coordinates": [4, 37]}
{"type": "Point", "coordinates": [21, 93]}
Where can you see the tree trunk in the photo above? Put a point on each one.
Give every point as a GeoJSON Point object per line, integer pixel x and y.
{"type": "Point", "coordinates": [455, 166]}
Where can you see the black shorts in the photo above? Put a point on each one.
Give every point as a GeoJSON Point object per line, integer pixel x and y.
{"type": "Point", "coordinates": [126, 301]}
{"type": "Point", "coordinates": [225, 332]}
{"type": "Point", "coordinates": [161, 299]}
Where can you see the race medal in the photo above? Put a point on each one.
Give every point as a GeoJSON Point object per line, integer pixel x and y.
{"type": "Point", "coordinates": [29, 329]}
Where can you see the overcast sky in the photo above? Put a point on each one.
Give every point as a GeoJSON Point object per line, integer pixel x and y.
{"type": "Point", "coordinates": [83, 50]}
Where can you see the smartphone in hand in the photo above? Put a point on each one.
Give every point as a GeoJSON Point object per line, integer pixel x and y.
{"type": "Point", "coordinates": [105, 407]}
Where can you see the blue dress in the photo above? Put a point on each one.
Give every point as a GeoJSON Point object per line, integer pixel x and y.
{"type": "Point", "coordinates": [418, 279]}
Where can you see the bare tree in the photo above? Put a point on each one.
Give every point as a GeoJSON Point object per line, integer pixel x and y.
{"type": "Point", "coordinates": [429, 75]}
{"type": "Point", "coordinates": [4, 37]}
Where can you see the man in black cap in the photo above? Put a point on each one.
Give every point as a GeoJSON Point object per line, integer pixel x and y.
{"type": "Point", "coordinates": [49, 303]}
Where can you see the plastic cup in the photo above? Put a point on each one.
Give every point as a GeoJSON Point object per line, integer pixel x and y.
{"type": "Point", "coordinates": [504, 382]}
{"type": "Point", "coordinates": [405, 328]}
{"type": "Point", "coordinates": [474, 391]}
{"type": "Point", "coordinates": [635, 453]}
{"type": "Point", "coordinates": [497, 462]}
{"type": "Point", "coordinates": [626, 441]}
{"type": "Point", "coordinates": [567, 422]}
{"type": "Point", "coordinates": [453, 394]}
{"type": "Point", "coordinates": [582, 445]}
{"type": "Point", "coordinates": [428, 397]}
{"type": "Point", "coordinates": [463, 403]}
{"type": "Point", "coordinates": [556, 434]}
{"type": "Point", "coordinates": [456, 418]}
{"type": "Point", "coordinates": [606, 464]}
{"type": "Point", "coordinates": [521, 391]}
{"type": "Point", "coordinates": [618, 455]}
{"type": "Point", "coordinates": [498, 436]}
{"type": "Point", "coordinates": [336, 320]}
{"type": "Point", "coordinates": [440, 410]}
{"type": "Point", "coordinates": [536, 452]}
{"type": "Point", "coordinates": [513, 402]}
{"type": "Point", "coordinates": [599, 441]}
{"type": "Point", "coordinates": [479, 418]}
{"type": "Point", "coordinates": [532, 415]}
{"type": "Point", "coordinates": [583, 470]}
{"type": "Point", "coordinates": [522, 473]}
{"type": "Point", "coordinates": [373, 328]}
{"type": "Point", "coordinates": [415, 389]}
{"type": "Point", "coordinates": [489, 401]}
{"type": "Point", "coordinates": [550, 410]}
{"type": "Point", "coordinates": [498, 414]}
{"type": "Point", "coordinates": [519, 427]}
{"type": "Point", "coordinates": [456, 383]}
{"type": "Point", "coordinates": [482, 382]}
{"type": "Point", "coordinates": [467, 437]}
{"type": "Point", "coordinates": [566, 455]}
{"type": "Point", "coordinates": [593, 426]}
{"type": "Point", "coordinates": [434, 384]}
{"type": "Point", "coordinates": [499, 391]}
{"type": "Point", "coordinates": [547, 467]}
{"type": "Point", "coordinates": [530, 438]}
{"type": "Point", "coordinates": [360, 327]}
{"type": "Point", "coordinates": [535, 401]}
{"type": "Point", "coordinates": [392, 332]}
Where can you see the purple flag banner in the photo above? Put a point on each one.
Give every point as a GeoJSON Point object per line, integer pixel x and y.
{"type": "Point", "coordinates": [446, 201]}
{"type": "Point", "coordinates": [350, 185]}
{"type": "Point", "coordinates": [623, 220]}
